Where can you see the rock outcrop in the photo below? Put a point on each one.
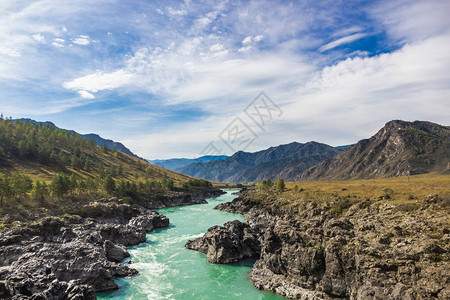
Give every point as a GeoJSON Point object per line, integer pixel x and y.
{"type": "Point", "coordinates": [371, 251]}
{"type": "Point", "coordinates": [230, 243]}
{"type": "Point", "coordinates": [74, 256]}
{"type": "Point", "coordinates": [171, 198]}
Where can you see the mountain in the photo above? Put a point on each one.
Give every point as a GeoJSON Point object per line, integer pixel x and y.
{"type": "Point", "coordinates": [285, 161]}
{"type": "Point", "coordinates": [399, 148]}
{"type": "Point", "coordinates": [99, 141]}
{"type": "Point", "coordinates": [110, 144]}
{"type": "Point", "coordinates": [175, 164]}
{"type": "Point", "coordinates": [42, 150]}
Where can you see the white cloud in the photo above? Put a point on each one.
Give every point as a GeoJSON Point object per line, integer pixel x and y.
{"type": "Point", "coordinates": [347, 31]}
{"type": "Point", "coordinates": [357, 96]}
{"type": "Point", "coordinates": [58, 42]}
{"type": "Point", "coordinates": [177, 12]}
{"type": "Point", "coordinates": [99, 81]}
{"type": "Point", "coordinates": [57, 45]}
{"type": "Point", "coordinates": [86, 95]}
{"type": "Point", "coordinates": [342, 41]}
{"type": "Point", "coordinates": [358, 53]}
{"type": "Point", "coordinates": [258, 38]}
{"type": "Point", "coordinates": [247, 40]}
{"type": "Point", "coordinates": [252, 39]}
{"type": "Point", "coordinates": [338, 104]}
{"type": "Point", "coordinates": [183, 75]}
{"type": "Point", "coordinates": [245, 49]}
{"type": "Point", "coordinates": [38, 37]}
{"type": "Point", "coordinates": [413, 20]}
{"type": "Point", "coordinates": [9, 52]}
{"type": "Point", "coordinates": [82, 40]}
{"type": "Point", "coordinates": [216, 47]}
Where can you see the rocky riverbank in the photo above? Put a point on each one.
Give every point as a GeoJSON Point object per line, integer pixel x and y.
{"type": "Point", "coordinates": [371, 250]}
{"type": "Point", "coordinates": [74, 256]}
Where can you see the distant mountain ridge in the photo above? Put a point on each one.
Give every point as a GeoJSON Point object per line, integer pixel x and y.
{"type": "Point", "coordinates": [176, 163]}
{"type": "Point", "coordinates": [99, 141]}
{"type": "Point", "coordinates": [283, 161]}
{"type": "Point", "coordinates": [108, 143]}
{"type": "Point", "coordinates": [399, 148]}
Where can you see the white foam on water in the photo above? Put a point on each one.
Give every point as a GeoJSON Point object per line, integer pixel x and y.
{"type": "Point", "coordinates": [183, 238]}
{"type": "Point", "coordinates": [150, 268]}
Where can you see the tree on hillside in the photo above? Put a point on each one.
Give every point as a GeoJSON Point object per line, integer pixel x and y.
{"type": "Point", "coordinates": [22, 184]}
{"type": "Point", "coordinates": [139, 164]}
{"type": "Point", "coordinates": [73, 184]}
{"type": "Point", "coordinates": [82, 187]}
{"type": "Point", "coordinates": [280, 185]}
{"type": "Point", "coordinates": [113, 171]}
{"type": "Point", "coordinates": [267, 184]}
{"type": "Point", "coordinates": [6, 189]}
{"type": "Point", "coordinates": [60, 185]}
{"type": "Point", "coordinates": [87, 165]}
{"type": "Point", "coordinates": [109, 184]}
{"type": "Point", "coordinates": [40, 191]}
{"type": "Point", "coordinates": [91, 185]}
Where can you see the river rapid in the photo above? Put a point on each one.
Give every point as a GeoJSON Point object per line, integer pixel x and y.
{"type": "Point", "coordinates": [167, 270]}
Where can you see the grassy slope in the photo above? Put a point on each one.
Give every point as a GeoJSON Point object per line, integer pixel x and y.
{"type": "Point", "coordinates": [131, 171]}
{"type": "Point", "coordinates": [98, 158]}
{"type": "Point", "coordinates": [407, 191]}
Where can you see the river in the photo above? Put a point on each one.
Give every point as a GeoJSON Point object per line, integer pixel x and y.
{"type": "Point", "coordinates": [167, 270]}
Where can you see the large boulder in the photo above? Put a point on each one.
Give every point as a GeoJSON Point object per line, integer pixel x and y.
{"type": "Point", "coordinates": [114, 252]}
{"type": "Point", "coordinates": [230, 243]}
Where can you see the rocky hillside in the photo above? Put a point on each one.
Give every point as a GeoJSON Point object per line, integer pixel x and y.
{"type": "Point", "coordinates": [175, 164]}
{"type": "Point", "coordinates": [75, 255]}
{"type": "Point", "coordinates": [339, 248]}
{"type": "Point", "coordinates": [399, 148]}
{"type": "Point", "coordinates": [285, 161]}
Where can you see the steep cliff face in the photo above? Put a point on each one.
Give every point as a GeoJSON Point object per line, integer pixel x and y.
{"type": "Point", "coordinates": [399, 148]}
{"type": "Point", "coordinates": [373, 250]}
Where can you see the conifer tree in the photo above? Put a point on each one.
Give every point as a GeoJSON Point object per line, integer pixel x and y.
{"type": "Point", "coordinates": [281, 185]}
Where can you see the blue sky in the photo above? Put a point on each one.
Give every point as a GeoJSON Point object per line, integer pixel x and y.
{"type": "Point", "coordinates": [166, 77]}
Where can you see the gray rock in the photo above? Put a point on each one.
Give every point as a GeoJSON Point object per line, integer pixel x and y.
{"type": "Point", "coordinates": [74, 257]}
{"type": "Point", "coordinates": [230, 243]}
{"type": "Point", "coordinates": [372, 251]}
{"type": "Point", "coordinates": [114, 252]}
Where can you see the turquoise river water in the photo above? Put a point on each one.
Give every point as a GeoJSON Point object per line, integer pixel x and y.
{"type": "Point", "coordinates": [167, 270]}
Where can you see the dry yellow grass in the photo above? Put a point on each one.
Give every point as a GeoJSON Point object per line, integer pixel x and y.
{"type": "Point", "coordinates": [38, 171]}
{"type": "Point", "coordinates": [395, 189]}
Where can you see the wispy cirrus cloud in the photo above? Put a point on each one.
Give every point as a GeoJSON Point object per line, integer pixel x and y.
{"type": "Point", "coordinates": [342, 41]}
